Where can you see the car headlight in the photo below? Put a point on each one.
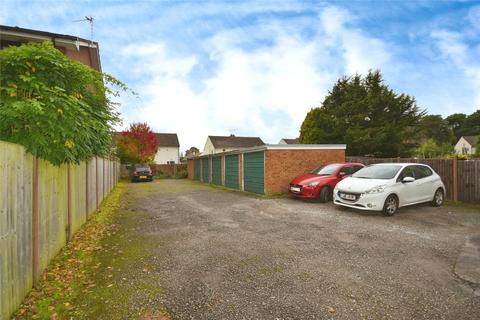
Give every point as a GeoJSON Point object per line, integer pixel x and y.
{"type": "Point", "coordinates": [376, 189]}
{"type": "Point", "coordinates": [313, 185]}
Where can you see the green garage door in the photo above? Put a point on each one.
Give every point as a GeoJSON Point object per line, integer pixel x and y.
{"type": "Point", "coordinates": [231, 172]}
{"type": "Point", "coordinates": [217, 170]}
{"type": "Point", "coordinates": [253, 172]}
{"type": "Point", "coordinates": [196, 169]}
{"type": "Point", "coordinates": [206, 170]}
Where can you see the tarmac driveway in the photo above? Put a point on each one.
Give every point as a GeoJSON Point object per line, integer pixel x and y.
{"type": "Point", "coordinates": [218, 254]}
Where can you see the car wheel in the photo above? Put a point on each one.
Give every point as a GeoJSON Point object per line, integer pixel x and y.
{"type": "Point", "coordinates": [324, 195]}
{"type": "Point", "coordinates": [437, 198]}
{"type": "Point", "coordinates": [390, 206]}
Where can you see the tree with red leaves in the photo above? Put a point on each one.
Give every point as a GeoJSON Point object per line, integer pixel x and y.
{"type": "Point", "coordinates": [138, 144]}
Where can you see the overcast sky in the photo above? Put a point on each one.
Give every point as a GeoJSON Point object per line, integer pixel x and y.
{"type": "Point", "coordinates": [256, 68]}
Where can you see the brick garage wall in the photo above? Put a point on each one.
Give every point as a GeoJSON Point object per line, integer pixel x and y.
{"type": "Point", "coordinates": [164, 168]}
{"type": "Point", "coordinates": [190, 168]}
{"type": "Point", "coordinates": [281, 166]}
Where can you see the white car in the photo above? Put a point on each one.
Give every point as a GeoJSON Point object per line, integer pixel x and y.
{"type": "Point", "coordinates": [388, 186]}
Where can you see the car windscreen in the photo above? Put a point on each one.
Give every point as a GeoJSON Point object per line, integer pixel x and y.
{"type": "Point", "coordinates": [326, 170]}
{"type": "Point", "coordinates": [142, 168]}
{"type": "Point", "coordinates": [378, 172]}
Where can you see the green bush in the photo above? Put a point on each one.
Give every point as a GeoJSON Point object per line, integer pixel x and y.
{"type": "Point", "coordinates": [58, 108]}
{"type": "Point", "coordinates": [181, 173]}
{"type": "Point", "coordinates": [430, 149]}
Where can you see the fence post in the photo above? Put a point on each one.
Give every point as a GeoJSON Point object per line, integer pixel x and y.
{"type": "Point", "coordinates": [103, 178]}
{"type": "Point", "coordinates": [455, 178]}
{"type": "Point", "coordinates": [96, 182]}
{"type": "Point", "coordinates": [35, 223]}
{"type": "Point", "coordinates": [86, 189]}
{"type": "Point", "coordinates": [69, 202]}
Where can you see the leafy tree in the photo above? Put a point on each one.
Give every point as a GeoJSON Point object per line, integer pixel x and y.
{"type": "Point", "coordinates": [431, 149]}
{"type": "Point", "coordinates": [473, 124]}
{"type": "Point", "coordinates": [436, 128]}
{"type": "Point", "coordinates": [477, 147]}
{"type": "Point", "coordinates": [367, 115]}
{"type": "Point", "coordinates": [456, 122]}
{"type": "Point", "coordinates": [59, 109]}
{"type": "Point", "coordinates": [464, 125]}
{"type": "Point", "coordinates": [138, 144]}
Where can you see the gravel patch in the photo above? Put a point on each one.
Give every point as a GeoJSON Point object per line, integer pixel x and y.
{"type": "Point", "coordinates": [215, 254]}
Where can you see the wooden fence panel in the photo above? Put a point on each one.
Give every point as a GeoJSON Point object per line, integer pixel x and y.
{"type": "Point", "coordinates": [101, 180]}
{"type": "Point", "coordinates": [78, 196]}
{"type": "Point", "coordinates": [53, 196]}
{"type": "Point", "coordinates": [92, 186]}
{"type": "Point", "coordinates": [110, 175]}
{"type": "Point", "coordinates": [469, 181]}
{"type": "Point", "coordinates": [18, 245]}
{"type": "Point", "coordinates": [15, 226]}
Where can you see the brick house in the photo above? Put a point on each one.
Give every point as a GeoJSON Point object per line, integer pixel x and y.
{"type": "Point", "coordinates": [82, 50]}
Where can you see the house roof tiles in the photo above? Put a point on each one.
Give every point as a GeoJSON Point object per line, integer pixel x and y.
{"type": "Point", "coordinates": [471, 139]}
{"type": "Point", "coordinates": [235, 142]}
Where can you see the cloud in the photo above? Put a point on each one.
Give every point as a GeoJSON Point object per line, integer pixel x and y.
{"type": "Point", "coordinates": [265, 92]}
{"type": "Point", "coordinates": [454, 47]}
{"type": "Point", "coordinates": [360, 52]}
{"type": "Point", "coordinates": [473, 17]}
{"type": "Point", "coordinates": [257, 67]}
{"type": "Point", "coordinates": [262, 78]}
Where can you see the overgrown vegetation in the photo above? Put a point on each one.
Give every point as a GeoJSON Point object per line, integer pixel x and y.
{"type": "Point", "coordinates": [431, 149]}
{"type": "Point", "coordinates": [181, 173]}
{"type": "Point", "coordinates": [59, 109]}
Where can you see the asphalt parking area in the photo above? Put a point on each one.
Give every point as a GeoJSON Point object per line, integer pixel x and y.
{"type": "Point", "coordinates": [219, 254]}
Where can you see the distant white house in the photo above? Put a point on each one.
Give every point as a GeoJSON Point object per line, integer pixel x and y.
{"type": "Point", "coordinates": [217, 144]}
{"type": "Point", "coordinates": [169, 149]}
{"type": "Point", "coordinates": [288, 141]}
{"type": "Point", "coordinates": [466, 145]}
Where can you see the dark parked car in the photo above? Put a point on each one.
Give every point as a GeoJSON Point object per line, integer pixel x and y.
{"type": "Point", "coordinates": [141, 172]}
{"type": "Point", "coordinates": [319, 183]}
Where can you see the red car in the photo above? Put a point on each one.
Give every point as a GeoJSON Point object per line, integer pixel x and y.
{"type": "Point", "coordinates": [319, 183]}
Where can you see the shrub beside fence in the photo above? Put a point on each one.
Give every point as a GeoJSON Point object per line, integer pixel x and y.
{"type": "Point", "coordinates": [41, 207]}
{"type": "Point", "coordinates": [461, 177]}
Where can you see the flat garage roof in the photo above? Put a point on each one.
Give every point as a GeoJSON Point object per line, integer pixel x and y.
{"type": "Point", "coordinates": [277, 147]}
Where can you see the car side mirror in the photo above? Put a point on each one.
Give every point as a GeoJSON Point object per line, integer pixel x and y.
{"type": "Point", "coordinates": [408, 179]}
{"type": "Point", "coordinates": [342, 174]}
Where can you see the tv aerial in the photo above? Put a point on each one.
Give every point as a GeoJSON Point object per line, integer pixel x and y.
{"type": "Point", "coordinates": [90, 21]}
